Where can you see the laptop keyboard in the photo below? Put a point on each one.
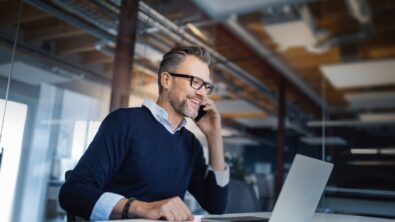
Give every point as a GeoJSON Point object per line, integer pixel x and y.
{"type": "Point", "coordinates": [235, 219]}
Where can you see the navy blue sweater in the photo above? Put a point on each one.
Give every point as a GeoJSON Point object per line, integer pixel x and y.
{"type": "Point", "coordinates": [135, 156]}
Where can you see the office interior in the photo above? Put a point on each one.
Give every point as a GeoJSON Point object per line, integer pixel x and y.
{"type": "Point", "coordinates": [311, 77]}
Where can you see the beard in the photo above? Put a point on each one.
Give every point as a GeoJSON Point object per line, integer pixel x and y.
{"type": "Point", "coordinates": [181, 107]}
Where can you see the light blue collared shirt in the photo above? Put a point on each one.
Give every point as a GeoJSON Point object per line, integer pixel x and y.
{"type": "Point", "coordinates": [162, 117]}
{"type": "Point", "coordinates": [107, 201]}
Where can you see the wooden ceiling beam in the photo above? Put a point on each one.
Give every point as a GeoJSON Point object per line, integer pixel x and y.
{"type": "Point", "coordinates": [143, 75]}
{"type": "Point", "coordinates": [52, 33]}
{"type": "Point", "coordinates": [303, 59]}
{"type": "Point", "coordinates": [236, 89]}
{"type": "Point", "coordinates": [243, 115]}
{"type": "Point", "coordinates": [261, 69]}
{"type": "Point", "coordinates": [107, 68]}
{"type": "Point", "coordinates": [96, 57]}
{"type": "Point", "coordinates": [29, 14]}
{"type": "Point", "coordinates": [75, 45]}
{"type": "Point", "coordinates": [377, 52]}
{"type": "Point", "coordinates": [380, 88]}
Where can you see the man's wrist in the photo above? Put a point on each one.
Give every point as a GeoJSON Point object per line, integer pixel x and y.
{"type": "Point", "coordinates": [214, 133]}
{"type": "Point", "coordinates": [125, 211]}
{"type": "Point", "coordinates": [136, 209]}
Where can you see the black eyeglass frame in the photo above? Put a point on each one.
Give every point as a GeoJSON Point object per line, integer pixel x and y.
{"type": "Point", "coordinates": [204, 83]}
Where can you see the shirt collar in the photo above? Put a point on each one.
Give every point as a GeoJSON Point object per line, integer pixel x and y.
{"type": "Point", "coordinates": [161, 116]}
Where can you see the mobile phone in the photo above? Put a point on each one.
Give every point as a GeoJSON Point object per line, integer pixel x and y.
{"type": "Point", "coordinates": [201, 113]}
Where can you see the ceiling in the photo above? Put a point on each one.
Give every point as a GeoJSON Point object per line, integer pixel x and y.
{"type": "Point", "coordinates": [336, 56]}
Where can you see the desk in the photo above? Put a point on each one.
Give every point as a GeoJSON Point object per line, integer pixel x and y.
{"type": "Point", "coordinates": [318, 217]}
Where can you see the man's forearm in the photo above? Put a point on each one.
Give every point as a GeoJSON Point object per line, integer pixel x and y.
{"type": "Point", "coordinates": [116, 212]}
{"type": "Point", "coordinates": [173, 209]}
{"type": "Point", "coordinates": [216, 151]}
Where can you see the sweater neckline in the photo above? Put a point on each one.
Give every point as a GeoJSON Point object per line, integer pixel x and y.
{"type": "Point", "coordinates": [163, 128]}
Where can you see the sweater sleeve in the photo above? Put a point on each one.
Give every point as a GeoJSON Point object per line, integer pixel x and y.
{"type": "Point", "coordinates": [204, 187]}
{"type": "Point", "coordinates": [97, 166]}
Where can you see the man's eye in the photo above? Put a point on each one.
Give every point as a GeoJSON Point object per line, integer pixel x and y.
{"type": "Point", "coordinates": [196, 81]}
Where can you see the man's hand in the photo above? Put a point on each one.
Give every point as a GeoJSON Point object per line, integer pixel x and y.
{"type": "Point", "coordinates": [172, 209]}
{"type": "Point", "coordinates": [210, 123]}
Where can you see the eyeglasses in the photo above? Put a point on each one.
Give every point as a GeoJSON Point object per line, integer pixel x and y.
{"type": "Point", "coordinates": [196, 82]}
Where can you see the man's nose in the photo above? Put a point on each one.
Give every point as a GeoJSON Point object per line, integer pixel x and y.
{"type": "Point", "coordinates": [201, 92]}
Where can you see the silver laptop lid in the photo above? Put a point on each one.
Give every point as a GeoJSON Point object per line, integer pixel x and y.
{"type": "Point", "coordinates": [302, 190]}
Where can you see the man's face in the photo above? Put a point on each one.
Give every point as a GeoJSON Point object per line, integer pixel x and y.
{"type": "Point", "coordinates": [183, 98]}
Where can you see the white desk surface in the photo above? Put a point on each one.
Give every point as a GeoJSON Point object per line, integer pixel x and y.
{"type": "Point", "coordinates": [318, 217]}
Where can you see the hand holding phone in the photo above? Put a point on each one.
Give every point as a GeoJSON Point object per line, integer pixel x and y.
{"type": "Point", "coordinates": [211, 123]}
{"type": "Point", "coordinates": [201, 113]}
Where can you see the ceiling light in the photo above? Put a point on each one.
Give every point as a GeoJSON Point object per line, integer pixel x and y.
{"type": "Point", "coordinates": [360, 74]}
{"type": "Point", "coordinates": [377, 117]}
{"type": "Point", "coordinates": [364, 151]}
{"type": "Point", "coordinates": [387, 151]}
{"type": "Point", "coordinates": [370, 100]}
{"type": "Point", "coordinates": [197, 32]}
{"type": "Point", "coordinates": [328, 141]}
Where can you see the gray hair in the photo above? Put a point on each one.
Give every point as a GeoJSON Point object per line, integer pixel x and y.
{"type": "Point", "coordinates": [177, 55]}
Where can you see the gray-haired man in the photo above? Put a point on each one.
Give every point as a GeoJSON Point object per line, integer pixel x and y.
{"type": "Point", "coordinates": [142, 160]}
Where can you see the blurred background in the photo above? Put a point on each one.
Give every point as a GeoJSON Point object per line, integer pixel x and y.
{"type": "Point", "coordinates": [314, 77]}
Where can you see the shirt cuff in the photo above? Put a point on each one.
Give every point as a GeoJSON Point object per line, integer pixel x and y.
{"type": "Point", "coordinates": [221, 177]}
{"type": "Point", "coordinates": [104, 206]}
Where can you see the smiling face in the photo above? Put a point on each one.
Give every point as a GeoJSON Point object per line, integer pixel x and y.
{"type": "Point", "coordinates": [184, 99]}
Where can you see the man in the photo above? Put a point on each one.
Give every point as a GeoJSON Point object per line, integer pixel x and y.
{"type": "Point", "coordinates": [142, 160]}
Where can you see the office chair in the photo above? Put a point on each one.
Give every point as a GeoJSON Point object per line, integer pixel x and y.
{"type": "Point", "coordinates": [241, 198]}
{"type": "Point", "coordinates": [266, 191]}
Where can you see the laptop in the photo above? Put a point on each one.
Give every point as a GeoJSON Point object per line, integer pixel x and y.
{"type": "Point", "coordinates": [299, 195]}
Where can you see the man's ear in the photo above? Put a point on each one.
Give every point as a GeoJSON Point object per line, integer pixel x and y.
{"type": "Point", "coordinates": [165, 80]}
